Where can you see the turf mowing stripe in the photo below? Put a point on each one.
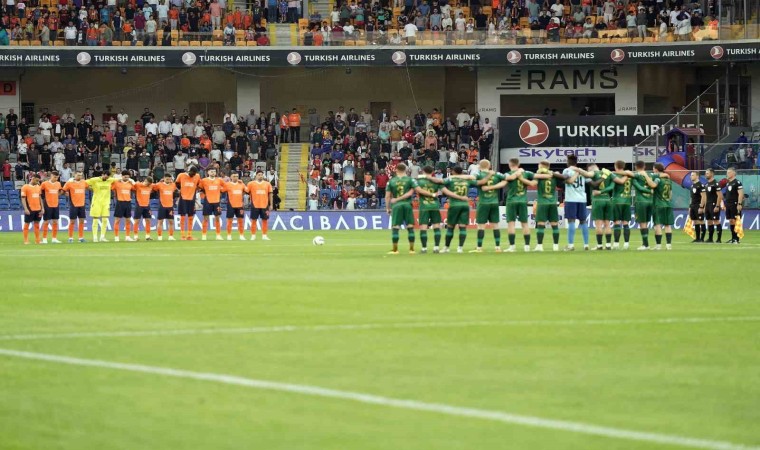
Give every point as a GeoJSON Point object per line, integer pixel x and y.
{"type": "Point", "coordinates": [375, 326]}
{"type": "Point", "coordinates": [414, 405]}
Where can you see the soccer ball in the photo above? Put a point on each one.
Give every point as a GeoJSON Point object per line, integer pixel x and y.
{"type": "Point", "coordinates": [319, 240]}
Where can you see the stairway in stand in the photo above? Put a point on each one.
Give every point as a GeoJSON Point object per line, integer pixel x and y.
{"type": "Point", "coordinates": [294, 161]}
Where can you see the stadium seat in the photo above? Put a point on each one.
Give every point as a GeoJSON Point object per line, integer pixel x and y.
{"type": "Point", "coordinates": [8, 185]}
{"type": "Point", "coordinates": [205, 43]}
{"type": "Point", "coordinates": [251, 43]}
{"type": "Point", "coordinates": [195, 43]}
{"type": "Point", "coordinates": [3, 195]}
{"type": "Point", "coordinates": [217, 44]}
{"type": "Point", "coordinates": [116, 43]}
{"type": "Point", "coordinates": [4, 204]}
{"type": "Point", "coordinates": [217, 35]}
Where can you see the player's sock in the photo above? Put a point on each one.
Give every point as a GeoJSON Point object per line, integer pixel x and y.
{"type": "Point", "coordinates": [182, 225]}
{"type": "Point", "coordinates": [555, 235]}
{"type": "Point", "coordinates": [218, 226]}
{"type": "Point", "coordinates": [497, 237]}
{"type": "Point", "coordinates": [55, 229]}
{"type": "Point", "coordinates": [526, 238]}
{"type": "Point", "coordinates": [253, 227]}
{"type": "Point", "coordinates": [711, 231]}
{"type": "Point", "coordinates": [570, 233]}
{"type": "Point", "coordinates": [608, 238]}
{"type": "Point", "coordinates": [159, 229]}
{"type": "Point", "coordinates": [540, 234]}
{"type": "Point", "coordinates": [95, 225]}
{"type": "Point", "coordinates": [658, 239]}
{"type": "Point", "coordinates": [147, 227]}
{"type": "Point", "coordinates": [437, 236]}
{"type": "Point", "coordinates": [481, 236]}
{"type": "Point", "coordinates": [668, 238]}
{"type": "Point", "coordinates": [449, 236]}
{"type": "Point", "coordinates": [720, 230]}
{"type": "Point", "coordinates": [410, 237]}
{"type": "Point", "coordinates": [204, 227]}
{"type": "Point", "coordinates": [394, 238]}
{"type": "Point", "coordinates": [462, 236]}
{"type": "Point", "coordinates": [171, 226]}
{"type": "Point", "coordinates": [44, 230]}
{"type": "Point", "coordinates": [644, 237]}
{"type": "Point", "coordinates": [26, 232]}
{"type": "Point", "coordinates": [71, 230]}
{"type": "Point", "coordinates": [81, 228]}
{"type": "Point", "coordinates": [627, 233]}
{"type": "Point", "coordinates": [241, 226]}
{"type": "Point", "coordinates": [229, 226]}
{"type": "Point", "coordinates": [265, 226]}
{"type": "Point", "coordinates": [37, 232]}
{"type": "Point", "coordinates": [584, 231]}
{"type": "Point", "coordinates": [423, 238]}
{"type": "Point", "coordinates": [511, 238]}
{"type": "Point", "coordinates": [116, 226]}
{"type": "Point", "coordinates": [103, 227]}
{"type": "Point", "coordinates": [616, 231]}
{"type": "Point", "coordinates": [128, 226]}
{"type": "Point", "coordinates": [599, 240]}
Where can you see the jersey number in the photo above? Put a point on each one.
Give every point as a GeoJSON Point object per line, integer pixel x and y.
{"type": "Point", "coordinates": [461, 190]}
{"type": "Point", "coordinates": [667, 193]}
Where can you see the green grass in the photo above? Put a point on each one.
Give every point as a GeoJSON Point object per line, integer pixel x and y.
{"type": "Point", "coordinates": [692, 379]}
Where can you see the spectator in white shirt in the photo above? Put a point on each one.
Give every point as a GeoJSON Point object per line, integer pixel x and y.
{"type": "Point", "coordinates": [65, 172]}
{"type": "Point", "coordinates": [410, 32]}
{"type": "Point", "coordinates": [122, 118]}
{"type": "Point", "coordinates": [230, 115]}
{"type": "Point", "coordinates": [164, 127]}
{"type": "Point", "coordinates": [46, 128]}
{"type": "Point", "coordinates": [179, 162]}
{"type": "Point", "coordinates": [463, 118]}
{"type": "Point", "coordinates": [177, 129]}
{"type": "Point", "coordinates": [558, 9]}
{"type": "Point", "coordinates": [151, 128]}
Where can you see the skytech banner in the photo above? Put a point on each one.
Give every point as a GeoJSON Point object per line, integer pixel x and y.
{"type": "Point", "coordinates": [480, 56]}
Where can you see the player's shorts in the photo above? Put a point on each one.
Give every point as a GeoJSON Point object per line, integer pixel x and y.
{"type": "Point", "coordinates": [51, 213]}
{"type": "Point", "coordinates": [235, 212]}
{"type": "Point", "coordinates": [643, 212]}
{"type": "Point", "coordinates": [186, 207]}
{"type": "Point", "coordinates": [211, 209]}
{"type": "Point", "coordinates": [458, 215]}
{"type": "Point", "coordinates": [663, 215]}
{"type": "Point", "coordinates": [621, 212]}
{"type": "Point", "coordinates": [732, 210]}
{"type": "Point", "coordinates": [694, 213]}
{"type": "Point", "coordinates": [430, 217]}
{"type": "Point", "coordinates": [33, 216]}
{"type": "Point", "coordinates": [141, 212]}
{"type": "Point", "coordinates": [77, 212]}
{"type": "Point", "coordinates": [547, 213]}
{"type": "Point", "coordinates": [260, 213]}
{"type": "Point", "coordinates": [165, 213]}
{"type": "Point", "coordinates": [575, 210]}
{"type": "Point", "coordinates": [123, 210]}
{"type": "Point", "coordinates": [601, 210]}
{"type": "Point", "coordinates": [710, 213]}
{"type": "Point", "coordinates": [402, 214]}
{"type": "Point", "coordinates": [98, 210]}
{"type": "Point", "coordinates": [517, 212]}
{"type": "Point", "coordinates": [487, 214]}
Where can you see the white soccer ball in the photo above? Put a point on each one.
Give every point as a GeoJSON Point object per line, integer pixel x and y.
{"type": "Point", "coordinates": [319, 240]}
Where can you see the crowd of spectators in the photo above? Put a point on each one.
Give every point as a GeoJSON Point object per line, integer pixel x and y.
{"type": "Point", "coordinates": [354, 154]}
{"type": "Point", "coordinates": [521, 21]}
{"type": "Point", "coordinates": [148, 145]}
{"type": "Point", "coordinates": [135, 22]}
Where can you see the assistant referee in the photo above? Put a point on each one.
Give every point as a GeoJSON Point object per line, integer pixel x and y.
{"type": "Point", "coordinates": [734, 200]}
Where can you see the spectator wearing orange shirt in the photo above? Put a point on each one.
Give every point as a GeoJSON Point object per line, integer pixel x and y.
{"type": "Point", "coordinates": [142, 210]}
{"type": "Point", "coordinates": [235, 190]}
{"type": "Point", "coordinates": [166, 190]}
{"type": "Point", "coordinates": [92, 35]}
{"type": "Point", "coordinates": [173, 18]}
{"type": "Point", "coordinates": [50, 190]}
{"type": "Point", "coordinates": [123, 189]}
{"type": "Point", "coordinates": [294, 123]}
{"type": "Point", "coordinates": [75, 190]}
{"type": "Point", "coordinates": [261, 194]}
{"type": "Point", "coordinates": [32, 203]}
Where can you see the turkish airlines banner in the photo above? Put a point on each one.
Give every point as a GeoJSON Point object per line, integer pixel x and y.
{"type": "Point", "coordinates": [675, 53]}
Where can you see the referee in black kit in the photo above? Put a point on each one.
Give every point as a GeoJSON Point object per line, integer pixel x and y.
{"type": "Point", "coordinates": [734, 200]}
{"type": "Point", "coordinates": [712, 207]}
{"type": "Point", "coordinates": [697, 207]}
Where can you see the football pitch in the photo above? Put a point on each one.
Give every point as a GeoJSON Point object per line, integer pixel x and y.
{"type": "Point", "coordinates": [283, 345]}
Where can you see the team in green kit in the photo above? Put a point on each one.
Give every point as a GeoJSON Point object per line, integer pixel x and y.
{"type": "Point", "coordinates": [612, 194]}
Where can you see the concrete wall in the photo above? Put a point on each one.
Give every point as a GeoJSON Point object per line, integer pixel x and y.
{"type": "Point", "coordinates": [327, 89]}
{"type": "Point", "coordinates": [666, 85]}
{"type": "Point", "coordinates": [98, 89]}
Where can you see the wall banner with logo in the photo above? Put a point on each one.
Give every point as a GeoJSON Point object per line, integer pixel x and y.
{"type": "Point", "coordinates": [602, 139]}
{"type": "Point", "coordinates": [493, 56]}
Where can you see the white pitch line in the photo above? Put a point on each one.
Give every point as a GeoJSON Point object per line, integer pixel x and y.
{"type": "Point", "coordinates": [414, 405]}
{"type": "Point", "coordinates": [374, 326]}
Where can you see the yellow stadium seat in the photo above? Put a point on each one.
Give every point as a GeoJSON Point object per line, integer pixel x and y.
{"type": "Point", "coordinates": [438, 42]}
{"type": "Point", "coordinates": [251, 43]}
{"type": "Point", "coordinates": [361, 42]}
{"type": "Point", "coordinates": [349, 43]}
{"type": "Point", "coordinates": [23, 43]}
{"type": "Point", "coordinates": [206, 43]}
{"type": "Point", "coordinates": [217, 35]}
{"type": "Point", "coordinates": [14, 42]}
{"type": "Point", "coordinates": [195, 43]}
{"type": "Point", "coordinates": [116, 43]}
{"type": "Point", "coordinates": [427, 42]}
{"type": "Point", "coordinates": [460, 42]}
{"type": "Point", "coordinates": [217, 43]}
